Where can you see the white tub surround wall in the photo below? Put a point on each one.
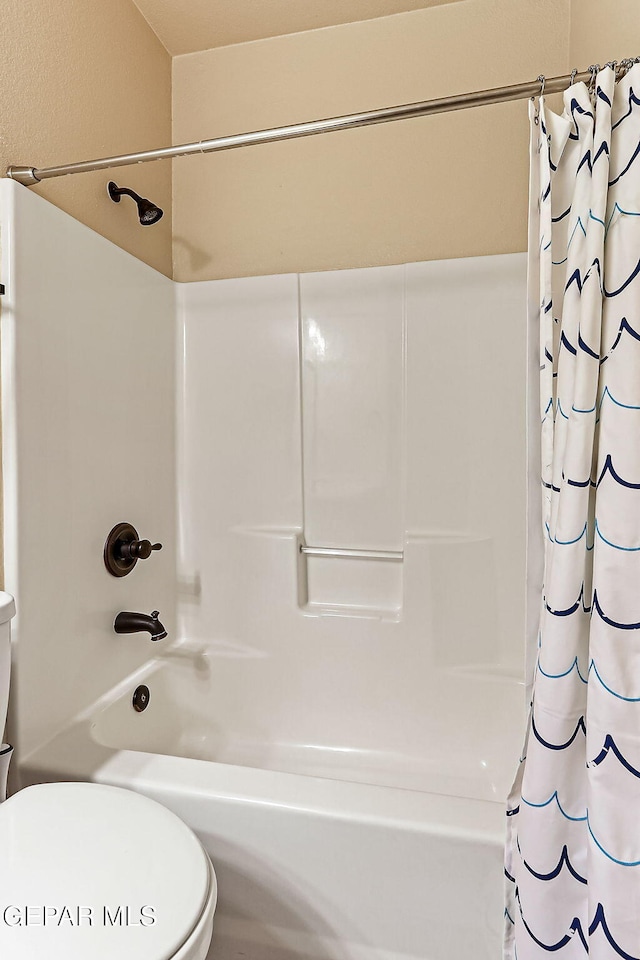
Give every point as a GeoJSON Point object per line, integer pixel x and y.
{"type": "Point", "coordinates": [382, 410]}
{"type": "Point", "coordinates": [88, 354]}
{"type": "Point", "coordinates": [352, 333]}
{"type": "Point", "coordinates": [378, 701]}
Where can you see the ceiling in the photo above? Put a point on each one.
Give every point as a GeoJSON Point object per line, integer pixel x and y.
{"type": "Point", "coordinates": [185, 26]}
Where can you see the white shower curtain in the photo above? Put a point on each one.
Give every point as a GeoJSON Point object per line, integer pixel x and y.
{"type": "Point", "coordinates": [573, 848]}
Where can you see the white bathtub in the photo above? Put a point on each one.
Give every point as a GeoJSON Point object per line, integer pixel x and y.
{"type": "Point", "coordinates": [309, 867]}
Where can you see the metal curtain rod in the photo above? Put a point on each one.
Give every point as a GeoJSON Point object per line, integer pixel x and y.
{"type": "Point", "coordinates": [28, 175]}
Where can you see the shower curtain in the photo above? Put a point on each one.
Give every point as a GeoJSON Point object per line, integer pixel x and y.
{"type": "Point", "coordinates": [573, 847]}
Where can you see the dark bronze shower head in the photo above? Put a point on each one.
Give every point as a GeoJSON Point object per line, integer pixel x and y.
{"type": "Point", "coordinates": [148, 212]}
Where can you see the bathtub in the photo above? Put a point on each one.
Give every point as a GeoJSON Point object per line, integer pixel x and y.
{"type": "Point", "coordinates": [351, 859]}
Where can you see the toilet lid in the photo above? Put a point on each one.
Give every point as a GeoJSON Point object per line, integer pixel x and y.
{"type": "Point", "coordinates": [90, 871]}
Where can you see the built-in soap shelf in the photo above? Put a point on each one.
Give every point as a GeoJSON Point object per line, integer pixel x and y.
{"type": "Point", "coordinates": [341, 553]}
{"type": "Point", "coordinates": [349, 582]}
{"type": "Point", "coordinates": [444, 581]}
{"type": "Point", "coordinates": [327, 581]}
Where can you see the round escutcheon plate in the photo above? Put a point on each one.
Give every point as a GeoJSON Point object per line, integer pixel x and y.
{"type": "Point", "coordinates": [141, 698]}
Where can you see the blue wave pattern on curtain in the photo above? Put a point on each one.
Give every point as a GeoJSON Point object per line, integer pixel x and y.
{"type": "Point", "coordinates": [573, 847]}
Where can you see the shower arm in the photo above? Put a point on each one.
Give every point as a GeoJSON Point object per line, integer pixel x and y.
{"type": "Point", "coordinates": [29, 175]}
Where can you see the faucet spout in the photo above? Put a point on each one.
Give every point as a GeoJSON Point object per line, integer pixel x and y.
{"type": "Point", "coordinates": [128, 622]}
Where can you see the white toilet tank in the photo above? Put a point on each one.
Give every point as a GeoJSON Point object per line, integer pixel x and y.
{"type": "Point", "coordinates": [7, 611]}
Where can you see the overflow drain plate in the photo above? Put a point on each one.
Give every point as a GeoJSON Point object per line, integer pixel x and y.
{"type": "Point", "coordinates": [141, 698]}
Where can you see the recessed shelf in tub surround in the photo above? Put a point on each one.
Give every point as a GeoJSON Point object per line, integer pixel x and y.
{"type": "Point", "coordinates": [360, 591]}
{"type": "Point", "coordinates": [350, 582]}
{"type": "Point", "coordinates": [446, 578]}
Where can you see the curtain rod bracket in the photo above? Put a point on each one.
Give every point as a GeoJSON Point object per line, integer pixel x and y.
{"type": "Point", "coordinates": [24, 175]}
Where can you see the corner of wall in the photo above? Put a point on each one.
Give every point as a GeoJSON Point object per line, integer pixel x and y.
{"type": "Point", "coordinates": [91, 99]}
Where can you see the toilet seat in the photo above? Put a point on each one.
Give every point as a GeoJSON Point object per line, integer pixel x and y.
{"type": "Point", "coordinates": [88, 870]}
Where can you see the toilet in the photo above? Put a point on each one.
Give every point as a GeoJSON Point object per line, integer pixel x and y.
{"type": "Point", "coordinates": [89, 870]}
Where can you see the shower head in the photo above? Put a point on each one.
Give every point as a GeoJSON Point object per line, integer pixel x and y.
{"type": "Point", "coordinates": [148, 213]}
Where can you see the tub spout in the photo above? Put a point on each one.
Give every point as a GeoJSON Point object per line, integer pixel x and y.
{"type": "Point", "coordinates": [127, 622]}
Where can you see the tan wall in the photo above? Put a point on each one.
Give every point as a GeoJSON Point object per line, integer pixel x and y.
{"type": "Point", "coordinates": [604, 31]}
{"type": "Point", "coordinates": [80, 80]}
{"type": "Point", "coordinates": [446, 186]}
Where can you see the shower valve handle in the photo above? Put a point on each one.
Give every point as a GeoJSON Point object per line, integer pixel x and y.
{"type": "Point", "coordinates": [138, 549]}
{"type": "Point", "coordinates": [123, 548]}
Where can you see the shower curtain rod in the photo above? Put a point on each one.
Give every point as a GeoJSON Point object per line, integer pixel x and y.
{"type": "Point", "coordinates": [28, 175]}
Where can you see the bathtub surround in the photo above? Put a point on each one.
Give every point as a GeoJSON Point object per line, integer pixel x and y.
{"type": "Point", "coordinates": [88, 354]}
{"type": "Point", "coordinates": [338, 386]}
{"type": "Point", "coordinates": [333, 728]}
